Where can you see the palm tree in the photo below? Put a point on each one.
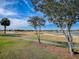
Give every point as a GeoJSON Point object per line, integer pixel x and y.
{"type": "Point", "coordinates": [5, 22]}
{"type": "Point", "coordinates": [37, 23]}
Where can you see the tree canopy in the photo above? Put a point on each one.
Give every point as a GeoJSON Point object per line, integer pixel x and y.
{"type": "Point", "coordinates": [36, 21]}
{"type": "Point", "coordinates": [64, 11]}
{"type": "Point", "coordinates": [5, 22]}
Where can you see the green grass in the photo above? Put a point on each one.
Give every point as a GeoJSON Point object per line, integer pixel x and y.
{"type": "Point", "coordinates": [12, 48]}
{"type": "Point", "coordinates": [77, 50]}
{"type": "Point", "coordinates": [4, 41]}
{"type": "Point", "coordinates": [9, 35]}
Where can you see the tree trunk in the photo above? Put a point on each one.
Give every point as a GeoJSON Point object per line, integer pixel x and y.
{"type": "Point", "coordinates": [71, 39]}
{"type": "Point", "coordinates": [68, 41]}
{"type": "Point", "coordinates": [70, 46]}
{"type": "Point", "coordinates": [70, 35]}
{"type": "Point", "coordinates": [5, 30]}
{"type": "Point", "coordinates": [39, 31]}
{"type": "Point", "coordinates": [39, 40]}
{"type": "Point", "coordinates": [37, 35]}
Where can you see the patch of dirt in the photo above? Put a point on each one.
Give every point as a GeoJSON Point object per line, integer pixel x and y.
{"type": "Point", "coordinates": [62, 52]}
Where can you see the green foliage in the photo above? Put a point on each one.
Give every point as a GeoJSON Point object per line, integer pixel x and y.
{"type": "Point", "coordinates": [5, 22]}
{"type": "Point", "coordinates": [36, 21]}
{"type": "Point", "coordinates": [63, 13]}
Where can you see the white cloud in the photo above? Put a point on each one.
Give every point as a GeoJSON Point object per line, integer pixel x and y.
{"type": "Point", "coordinates": [5, 12]}
{"type": "Point", "coordinates": [16, 23]}
{"type": "Point", "coordinates": [3, 3]}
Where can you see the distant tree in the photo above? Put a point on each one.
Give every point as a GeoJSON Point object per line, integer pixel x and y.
{"type": "Point", "coordinates": [37, 23]}
{"type": "Point", "coordinates": [5, 22]}
{"type": "Point", "coordinates": [63, 13]}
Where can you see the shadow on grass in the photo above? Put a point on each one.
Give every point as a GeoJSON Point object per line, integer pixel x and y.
{"type": "Point", "coordinates": [60, 44]}
{"type": "Point", "coordinates": [10, 35]}
{"type": "Point", "coordinates": [65, 45]}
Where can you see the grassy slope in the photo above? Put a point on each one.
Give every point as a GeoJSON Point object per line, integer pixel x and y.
{"type": "Point", "coordinates": [11, 48]}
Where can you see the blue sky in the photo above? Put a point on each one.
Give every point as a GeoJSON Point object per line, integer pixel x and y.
{"type": "Point", "coordinates": [18, 11]}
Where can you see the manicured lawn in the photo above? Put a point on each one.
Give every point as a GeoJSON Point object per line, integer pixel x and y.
{"type": "Point", "coordinates": [16, 46]}
{"type": "Point", "coordinates": [22, 49]}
